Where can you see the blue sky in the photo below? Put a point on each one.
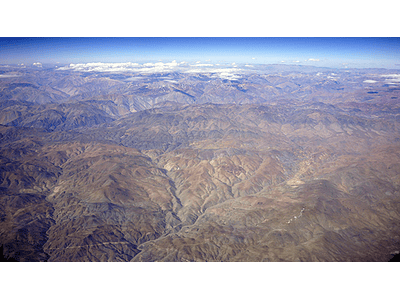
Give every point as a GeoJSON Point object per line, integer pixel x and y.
{"type": "Point", "coordinates": [331, 52]}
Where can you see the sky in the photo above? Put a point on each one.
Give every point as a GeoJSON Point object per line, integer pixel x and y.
{"type": "Point", "coordinates": [337, 52]}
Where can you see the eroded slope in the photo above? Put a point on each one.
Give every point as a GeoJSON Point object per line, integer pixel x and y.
{"type": "Point", "coordinates": [207, 182]}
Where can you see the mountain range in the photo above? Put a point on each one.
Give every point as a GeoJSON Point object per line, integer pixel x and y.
{"type": "Point", "coordinates": [270, 163]}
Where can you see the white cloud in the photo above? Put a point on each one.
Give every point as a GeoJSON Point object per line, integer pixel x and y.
{"type": "Point", "coordinates": [253, 58]}
{"type": "Point", "coordinates": [230, 74]}
{"type": "Point", "coordinates": [296, 61]}
{"type": "Point", "coordinates": [202, 65]}
{"type": "Point", "coordinates": [215, 71]}
{"type": "Point", "coordinates": [123, 67]}
{"type": "Point", "coordinates": [391, 75]}
{"type": "Point", "coordinates": [251, 66]}
{"type": "Point", "coordinates": [313, 59]}
{"type": "Point", "coordinates": [392, 78]}
{"type": "Point", "coordinates": [212, 70]}
{"type": "Point", "coordinates": [156, 69]}
{"type": "Point", "coordinates": [370, 81]}
{"type": "Point", "coordinates": [37, 64]}
{"type": "Point", "coordinates": [100, 67]}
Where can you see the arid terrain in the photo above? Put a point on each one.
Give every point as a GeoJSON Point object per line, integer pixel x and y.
{"type": "Point", "coordinates": [269, 163]}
